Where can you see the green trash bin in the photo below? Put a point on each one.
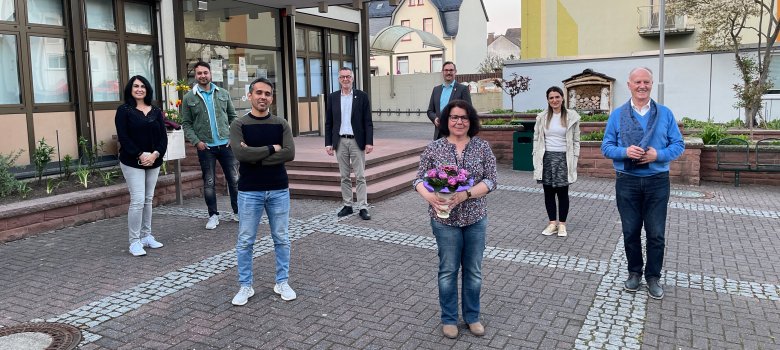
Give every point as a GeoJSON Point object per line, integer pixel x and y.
{"type": "Point", "coordinates": [523, 147]}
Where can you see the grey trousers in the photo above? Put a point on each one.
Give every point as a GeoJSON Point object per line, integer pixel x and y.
{"type": "Point", "coordinates": [352, 158]}
{"type": "Point", "coordinates": [140, 184]}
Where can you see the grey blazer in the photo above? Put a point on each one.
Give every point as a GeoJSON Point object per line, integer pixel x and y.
{"type": "Point", "coordinates": [459, 92]}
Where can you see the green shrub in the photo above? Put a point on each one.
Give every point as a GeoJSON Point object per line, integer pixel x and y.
{"type": "Point", "coordinates": [500, 111]}
{"type": "Point", "coordinates": [498, 121]}
{"type": "Point", "coordinates": [8, 182]}
{"type": "Point", "coordinates": [534, 110]}
{"type": "Point", "coordinates": [67, 166]}
{"type": "Point", "coordinates": [42, 157]}
{"type": "Point", "coordinates": [736, 123]}
{"type": "Point", "coordinates": [711, 133]}
{"type": "Point", "coordinates": [773, 124]}
{"type": "Point", "coordinates": [593, 136]}
{"type": "Point", "coordinates": [689, 123]}
{"type": "Point", "coordinates": [600, 117]}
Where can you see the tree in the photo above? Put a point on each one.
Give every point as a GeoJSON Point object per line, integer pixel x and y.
{"type": "Point", "coordinates": [491, 64]}
{"type": "Point", "coordinates": [513, 87]}
{"type": "Point", "coordinates": [723, 25]}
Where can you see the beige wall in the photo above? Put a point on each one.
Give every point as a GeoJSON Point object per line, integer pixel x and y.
{"type": "Point", "coordinates": [15, 137]}
{"type": "Point", "coordinates": [54, 125]}
{"type": "Point", "coordinates": [105, 130]}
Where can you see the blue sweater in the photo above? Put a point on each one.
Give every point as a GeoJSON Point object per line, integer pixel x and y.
{"type": "Point", "coordinates": [667, 141]}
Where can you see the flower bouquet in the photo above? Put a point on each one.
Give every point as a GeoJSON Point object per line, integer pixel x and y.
{"type": "Point", "coordinates": [445, 181]}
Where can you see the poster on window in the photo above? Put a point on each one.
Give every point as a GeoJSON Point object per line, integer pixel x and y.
{"type": "Point", "coordinates": [241, 64]}
{"type": "Point", "coordinates": [175, 148]}
{"type": "Point", "coordinates": [216, 76]}
{"type": "Point", "coordinates": [243, 76]}
{"type": "Point", "coordinates": [231, 76]}
{"type": "Point", "coordinates": [216, 66]}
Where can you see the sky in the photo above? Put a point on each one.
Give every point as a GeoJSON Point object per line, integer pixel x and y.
{"type": "Point", "coordinates": [502, 14]}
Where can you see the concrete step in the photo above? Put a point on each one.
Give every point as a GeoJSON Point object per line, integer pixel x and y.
{"type": "Point", "coordinates": [374, 173]}
{"type": "Point", "coordinates": [328, 162]}
{"type": "Point", "coordinates": [378, 190]}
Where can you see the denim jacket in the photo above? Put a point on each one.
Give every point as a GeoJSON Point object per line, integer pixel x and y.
{"type": "Point", "coordinates": [195, 115]}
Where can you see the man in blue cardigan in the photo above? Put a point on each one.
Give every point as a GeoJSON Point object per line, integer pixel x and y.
{"type": "Point", "coordinates": [642, 138]}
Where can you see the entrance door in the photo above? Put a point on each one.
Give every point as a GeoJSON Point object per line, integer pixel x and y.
{"type": "Point", "coordinates": [310, 78]}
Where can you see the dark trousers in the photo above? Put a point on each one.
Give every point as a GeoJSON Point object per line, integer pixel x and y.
{"type": "Point", "coordinates": [208, 161]}
{"type": "Point", "coordinates": [643, 201]}
{"type": "Point", "coordinates": [563, 202]}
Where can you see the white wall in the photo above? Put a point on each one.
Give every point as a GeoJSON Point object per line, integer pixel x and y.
{"type": "Point", "coordinates": [696, 85]}
{"type": "Point", "coordinates": [471, 41]}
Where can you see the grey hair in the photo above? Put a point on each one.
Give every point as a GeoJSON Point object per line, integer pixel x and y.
{"type": "Point", "coordinates": [640, 68]}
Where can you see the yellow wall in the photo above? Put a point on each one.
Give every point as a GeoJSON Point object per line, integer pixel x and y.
{"type": "Point", "coordinates": [15, 137]}
{"type": "Point", "coordinates": [568, 33]}
{"type": "Point", "coordinates": [531, 29]}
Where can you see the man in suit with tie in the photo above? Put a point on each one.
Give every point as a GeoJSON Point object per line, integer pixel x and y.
{"type": "Point", "coordinates": [444, 93]}
{"type": "Point", "coordinates": [349, 134]}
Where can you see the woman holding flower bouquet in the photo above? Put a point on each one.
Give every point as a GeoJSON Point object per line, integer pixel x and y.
{"type": "Point", "coordinates": [555, 154]}
{"type": "Point", "coordinates": [456, 172]}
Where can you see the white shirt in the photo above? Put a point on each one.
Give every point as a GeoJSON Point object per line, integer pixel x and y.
{"type": "Point", "coordinates": [346, 114]}
{"type": "Point", "coordinates": [641, 110]}
{"type": "Point", "coordinates": [555, 135]}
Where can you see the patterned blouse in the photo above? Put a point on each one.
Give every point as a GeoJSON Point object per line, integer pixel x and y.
{"type": "Point", "coordinates": [478, 159]}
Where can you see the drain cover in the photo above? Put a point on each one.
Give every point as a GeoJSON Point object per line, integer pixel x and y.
{"type": "Point", "coordinates": [40, 335]}
{"type": "Point", "coordinates": [688, 194]}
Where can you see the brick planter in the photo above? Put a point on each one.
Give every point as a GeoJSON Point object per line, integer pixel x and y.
{"type": "Point", "coordinates": [27, 218]}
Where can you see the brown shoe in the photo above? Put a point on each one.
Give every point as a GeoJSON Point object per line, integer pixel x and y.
{"type": "Point", "coordinates": [450, 331]}
{"type": "Point", "coordinates": [477, 329]}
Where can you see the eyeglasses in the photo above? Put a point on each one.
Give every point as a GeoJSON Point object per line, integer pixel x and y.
{"type": "Point", "coordinates": [459, 118]}
{"type": "Point", "coordinates": [448, 70]}
{"type": "Point", "coordinates": [345, 77]}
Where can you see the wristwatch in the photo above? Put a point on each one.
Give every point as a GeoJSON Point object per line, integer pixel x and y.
{"type": "Point", "coordinates": [468, 194]}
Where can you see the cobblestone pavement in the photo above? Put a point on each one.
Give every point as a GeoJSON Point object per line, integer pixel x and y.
{"type": "Point", "coordinates": [372, 284]}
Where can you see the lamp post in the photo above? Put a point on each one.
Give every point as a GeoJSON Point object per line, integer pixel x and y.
{"type": "Point", "coordinates": [662, 24]}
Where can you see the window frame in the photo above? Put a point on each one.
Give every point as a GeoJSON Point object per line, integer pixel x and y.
{"type": "Point", "coordinates": [406, 23]}
{"type": "Point", "coordinates": [398, 64]}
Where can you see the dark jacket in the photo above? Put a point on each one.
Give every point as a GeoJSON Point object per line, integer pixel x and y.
{"type": "Point", "coordinates": [195, 115]}
{"type": "Point", "coordinates": [362, 125]}
{"type": "Point", "coordinates": [459, 92]}
{"type": "Point", "coordinates": [138, 134]}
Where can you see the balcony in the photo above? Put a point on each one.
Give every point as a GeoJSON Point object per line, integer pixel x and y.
{"type": "Point", "coordinates": [649, 26]}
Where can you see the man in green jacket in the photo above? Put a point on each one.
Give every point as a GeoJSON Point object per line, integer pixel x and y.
{"type": "Point", "coordinates": [206, 113]}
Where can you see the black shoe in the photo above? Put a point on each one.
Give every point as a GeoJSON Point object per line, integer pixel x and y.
{"type": "Point", "coordinates": [364, 214]}
{"type": "Point", "coordinates": [654, 289]}
{"type": "Point", "coordinates": [345, 211]}
{"type": "Point", "coordinates": [633, 281]}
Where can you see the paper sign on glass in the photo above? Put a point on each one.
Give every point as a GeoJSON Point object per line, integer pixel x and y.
{"type": "Point", "coordinates": [231, 76]}
{"type": "Point", "coordinates": [216, 66]}
{"type": "Point", "coordinates": [242, 76]}
{"type": "Point", "coordinates": [241, 64]}
{"type": "Point", "coordinates": [216, 76]}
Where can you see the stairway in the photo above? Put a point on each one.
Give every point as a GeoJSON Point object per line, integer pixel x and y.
{"type": "Point", "coordinates": [387, 172]}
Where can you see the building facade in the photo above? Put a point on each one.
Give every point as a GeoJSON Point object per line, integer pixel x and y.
{"type": "Point", "coordinates": [66, 62]}
{"type": "Point", "coordinates": [463, 35]}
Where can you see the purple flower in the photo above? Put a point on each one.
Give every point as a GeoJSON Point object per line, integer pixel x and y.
{"type": "Point", "coordinates": [452, 181]}
{"type": "Point", "coordinates": [431, 173]}
{"type": "Point", "coordinates": [461, 178]}
{"type": "Point", "coordinates": [442, 175]}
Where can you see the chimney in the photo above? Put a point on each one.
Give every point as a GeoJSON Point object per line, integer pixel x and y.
{"type": "Point", "coordinates": [491, 37]}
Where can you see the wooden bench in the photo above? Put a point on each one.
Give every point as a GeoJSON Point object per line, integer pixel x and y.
{"type": "Point", "coordinates": [742, 162]}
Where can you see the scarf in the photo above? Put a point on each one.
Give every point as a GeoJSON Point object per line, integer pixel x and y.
{"type": "Point", "coordinates": [631, 132]}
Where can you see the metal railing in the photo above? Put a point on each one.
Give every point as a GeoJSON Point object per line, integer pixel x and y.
{"type": "Point", "coordinates": [675, 24]}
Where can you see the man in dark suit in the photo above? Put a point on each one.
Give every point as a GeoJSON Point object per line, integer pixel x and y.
{"type": "Point", "coordinates": [349, 134]}
{"type": "Point", "coordinates": [444, 93]}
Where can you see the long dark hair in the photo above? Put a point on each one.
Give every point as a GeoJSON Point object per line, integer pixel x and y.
{"type": "Point", "coordinates": [444, 119]}
{"type": "Point", "coordinates": [549, 108]}
{"type": "Point", "coordinates": [129, 99]}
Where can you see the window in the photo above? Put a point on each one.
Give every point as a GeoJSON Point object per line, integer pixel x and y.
{"type": "Point", "coordinates": [9, 80]}
{"type": "Point", "coordinates": [428, 25]}
{"type": "Point", "coordinates": [402, 66]}
{"type": "Point", "coordinates": [140, 61]}
{"type": "Point", "coordinates": [49, 85]}
{"type": "Point", "coordinates": [419, 2]}
{"type": "Point", "coordinates": [300, 64]}
{"type": "Point", "coordinates": [412, 2]}
{"type": "Point", "coordinates": [7, 12]}
{"type": "Point", "coordinates": [138, 18]}
{"type": "Point", "coordinates": [47, 12]}
{"type": "Point", "coordinates": [105, 76]}
{"type": "Point", "coordinates": [436, 62]}
{"type": "Point", "coordinates": [100, 15]}
{"type": "Point", "coordinates": [774, 74]}
{"type": "Point", "coordinates": [406, 23]}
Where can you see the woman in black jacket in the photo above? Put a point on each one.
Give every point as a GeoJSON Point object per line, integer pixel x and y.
{"type": "Point", "coordinates": [143, 140]}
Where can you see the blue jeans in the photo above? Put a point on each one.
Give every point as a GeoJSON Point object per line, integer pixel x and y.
{"type": "Point", "coordinates": [250, 208]}
{"type": "Point", "coordinates": [642, 201]}
{"type": "Point", "coordinates": [208, 161]}
{"type": "Point", "coordinates": [460, 246]}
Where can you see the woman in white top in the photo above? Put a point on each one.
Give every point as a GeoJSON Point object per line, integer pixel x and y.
{"type": "Point", "coordinates": [555, 154]}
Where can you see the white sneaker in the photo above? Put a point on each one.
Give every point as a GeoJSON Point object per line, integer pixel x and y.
{"type": "Point", "coordinates": [235, 217]}
{"type": "Point", "coordinates": [243, 295]}
{"type": "Point", "coordinates": [137, 249]}
{"type": "Point", "coordinates": [550, 229]}
{"type": "Point", "coordinates": [213, 222]}
{"type": "Point", "coordinates": [285, 291]}
{"type": "Point", "coordinates": [562, 231]}
{"type": "Point", "coordinates": [150, 242]}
